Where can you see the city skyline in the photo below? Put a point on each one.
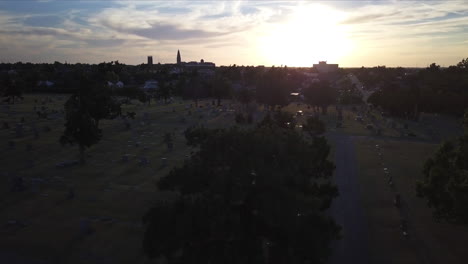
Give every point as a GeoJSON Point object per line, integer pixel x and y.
{"type": "Point", "coordinates": [353, 34]}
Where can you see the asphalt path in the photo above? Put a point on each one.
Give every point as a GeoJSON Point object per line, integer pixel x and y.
{"type": "Point", "coordinates": [347, 209]}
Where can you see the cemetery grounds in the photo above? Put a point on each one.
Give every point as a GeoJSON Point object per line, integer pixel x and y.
{"type": "Point", "coordinates": [101, 223]}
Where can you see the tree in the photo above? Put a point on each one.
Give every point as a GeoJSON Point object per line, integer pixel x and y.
{"type": "Point", "coordinates": [11, 88]}
{"type": "Point", "coordinates": [164, 90]}
{"type": "Point", "coordinates": [314, 126]}
{"type": "Point", "coordinates": [80, 127]}
{"type": "Point", "coordinates": [247, 196]}
{"type": "Point", "coordinates": [445, 182]}
{"type": "Point", "coordinates": [220, 87]}
{"type": "Point", "coordinates": [320, 94]}
{"type": "Point", "coordinates": [83, 111]}
{"type": "Point", "coordinates": [272, 88]}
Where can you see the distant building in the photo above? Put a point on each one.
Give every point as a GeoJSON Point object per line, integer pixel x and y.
{"type": "Point", "coordinates": [179, 59]}
{"type": "Point", "coordinates": [324, 67]}
{"type": "Point", "coordinates": [150, 60]}
{"type": "Point", "coordinates": [199, 65]}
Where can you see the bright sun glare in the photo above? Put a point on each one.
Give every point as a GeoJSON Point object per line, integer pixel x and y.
{"type": "Point", "coordinates": [313, 33]}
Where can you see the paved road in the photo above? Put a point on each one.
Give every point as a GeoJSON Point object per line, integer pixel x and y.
{"type": "Point", "coordinates": [346, 208]}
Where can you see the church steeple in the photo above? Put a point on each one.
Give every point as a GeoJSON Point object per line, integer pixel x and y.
{"type": "Point", "coordinates": [178, 57]}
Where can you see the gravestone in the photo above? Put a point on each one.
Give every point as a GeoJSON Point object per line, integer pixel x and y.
{"type": "Point", "coordinates": [71, 193]}
{"type": "Point", "coordinates": [397, 200]}
{"type": "Point", "coordinates": [35, 185]}
{"type": "Point", "coordinates": [144, 161]}
{"type": "Point", "coordinates": [163, 162]}
{"type": "Point", "coordinates": [36, 133]}
{"type": "Point", "coordinates": [30, 163]}
{"type": "Point", "coordinates": [18, 184]}
{"type": "Point", "coordinates": [19, 130]}
{"type": "Point", "coordinates": [85, 227]}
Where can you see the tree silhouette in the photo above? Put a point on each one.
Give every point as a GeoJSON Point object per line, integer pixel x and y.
{"type": "Point", "coordinates": [320, 94]}
{"type": "Point", "coordinates": [272, 88]}
{"type": "Point", "coordinates": [313, 126]}
{"type": "Point", "coordinates": [247, 196]}
{"type": "Point", "coordinates": [445, 182]}
{"type": "Point", "coordinates": [83, 111]}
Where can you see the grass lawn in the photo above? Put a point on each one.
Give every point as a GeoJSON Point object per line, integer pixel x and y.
{"type": "Point", "coordinates": [110, 194]}
{"type": "Point", "coordinates": [428, 240]}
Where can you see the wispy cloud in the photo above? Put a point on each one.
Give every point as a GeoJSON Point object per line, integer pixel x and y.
{"type": "Point", "coordinates": [227, 32]}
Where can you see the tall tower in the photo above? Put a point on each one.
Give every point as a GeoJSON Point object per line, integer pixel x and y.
{"type": "Point", "coordinates": [178, 57]}
{"type": "Point", "coordinates": [150, 60]}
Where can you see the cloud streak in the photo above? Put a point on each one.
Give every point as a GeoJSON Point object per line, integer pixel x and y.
{"type": "Point", "coordinates": [227, 31]}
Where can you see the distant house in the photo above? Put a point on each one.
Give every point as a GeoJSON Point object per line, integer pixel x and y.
{"type": "Point", "coordinates": [47, 84]}
{"type": "Point", "coordinates": [118, 84]}
{"type": "Point", "coordinates": [151, 84]}
{"type": "Point", "coordinates": [324, 67]}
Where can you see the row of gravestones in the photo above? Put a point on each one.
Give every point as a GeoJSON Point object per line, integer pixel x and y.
{"type": "Point", "coordinates": [142, 160]}
{"type": "Point", "coordinates": [397, 197]}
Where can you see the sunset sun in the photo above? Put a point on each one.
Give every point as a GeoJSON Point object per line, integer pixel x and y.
{"type": "Point", "coordinates": [312, 33]}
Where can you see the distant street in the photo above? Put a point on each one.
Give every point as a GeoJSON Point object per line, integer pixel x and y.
{"type": "Point", "coordinates": [346, 209]}
{"type": "Point", "coordinates": [355, 81]}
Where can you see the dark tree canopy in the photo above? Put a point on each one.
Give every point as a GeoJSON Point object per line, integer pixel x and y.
{"type": "Point", "coordinates": [320, 94]}
{"type": "Point", "coordinates": [247, 196]}
{"type": "Point", "coordinates": [83, 111]}
{"type": "Point", "coordinates": [272, 88]}
{"type": "Point", "coordinates": [445, 182]}
{"type": "Point", "coordinates": [314, 126]}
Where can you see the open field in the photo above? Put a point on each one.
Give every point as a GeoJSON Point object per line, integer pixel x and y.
{"type": "Point", "coordinates": [428, 241]}
{"type": "Point", "coordinates": [112, 195]}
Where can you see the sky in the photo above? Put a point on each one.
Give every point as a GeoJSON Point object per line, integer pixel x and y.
{"type": "Point", "coordinates": [292, 33]}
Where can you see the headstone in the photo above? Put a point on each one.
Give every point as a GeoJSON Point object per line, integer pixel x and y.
{"type": "Point", "coordinates": [19, 130]}
{"type": "Point", "coordinates": [18, 184]}
{"type": "Point", "coordinates": [397, 201]}
{"type": "Point", "coordinates": [170, 145]}
{"type": "Point", "coordinates": [71, 193]}
{"type": "Point", "coordinates": [144, 161]}
{"type": "Point", "coordinates": [85, 227]}
{"type": "Point", "coordinates": [29, 164]}
{"type": "Point", "coordinates": [36, 133]}
{"type": "Point", "coordinates": [163, 162]}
